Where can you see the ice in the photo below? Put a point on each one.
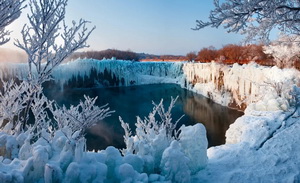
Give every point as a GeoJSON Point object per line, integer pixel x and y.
{"type": "Point", "coordinates": [174, 164]}
{"type": "Point", "coordinates": [194, 144]}
{"type": "Point", "coordinates": [135, 161]}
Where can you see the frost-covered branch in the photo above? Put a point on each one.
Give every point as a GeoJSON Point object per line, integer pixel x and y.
{"type": "Point", "coordinates": [12, 103]}
{"type": "Point", "coordinates": [152, 136]}
{"type": "Point", "coordinates": [10, 10]}
{"type": "Point", "coordinates": [47, 27]}
{"type": "Point", "coordinates": [14, 106]}
{"type": "Point", "coordinates": [284, 50]}
{"type": "Point", "coordinates": [81, 117]}
{"type": "Point", "coordinates": [256, 18]}
{"type": "Point", "coordinates": [166, 117]}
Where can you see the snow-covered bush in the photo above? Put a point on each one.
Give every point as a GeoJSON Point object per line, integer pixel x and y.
{"type": "Point", "coordinates": [72, 123]}
{"type": "Point", "coordinates": [161, 149]}
{"type": "Point", "coordinates": [50, 147]}
{"type": "Point", "coordinates": [17, 101]}
{"type": "Point", "coordinates": [12, 103]}
{"type": "Point", "coordinates": [152, 136]}
{"type": "Point", "coordinates": [77, 119]}
{"type": "Point", "coordinates": [255, 18]}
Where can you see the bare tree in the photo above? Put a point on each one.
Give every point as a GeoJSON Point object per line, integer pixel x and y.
{"type": "Point", "coordinates": [254, 52]}
{"type": "Point", "coordinates": [10, 10]}
{"type": "Point", "coordinates": [256, 18]}
{"type": "Point", "coordinates": [46, 26]}
{"type": "Point", "coordinates": [207, 54]}
{"type": "Point", "coordinates": [191, 56]}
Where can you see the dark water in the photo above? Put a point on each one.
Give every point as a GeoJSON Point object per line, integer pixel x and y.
{"type": "Point", "coordinates": [129, 102]}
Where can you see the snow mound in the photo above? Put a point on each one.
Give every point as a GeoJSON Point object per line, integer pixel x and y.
{"type": "Point", "coordinates": [66, 161]}
{"type": "Point", "coordinates": [194, 144]}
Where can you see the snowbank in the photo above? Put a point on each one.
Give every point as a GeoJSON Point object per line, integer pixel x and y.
{"type": "Point", "coordinates": [260, 147]}
{"type": "Point", "coordinates": [65, 160]}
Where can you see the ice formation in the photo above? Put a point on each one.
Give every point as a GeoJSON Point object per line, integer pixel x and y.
{"type": "Point", "coordinates": [236, 85]}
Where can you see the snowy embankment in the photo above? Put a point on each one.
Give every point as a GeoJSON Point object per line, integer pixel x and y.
{"type": "Point", "coordinates": [261, 146]}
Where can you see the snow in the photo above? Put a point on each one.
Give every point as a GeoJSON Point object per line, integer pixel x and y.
{"type": "Point", "coordinates": [49, 163]}
{"type": "Point", "coordinates": [245, 160]}
{"type": "Point", "coordinates": [261, 146]}
{"type": "Point", "coordinates": [174, 168]}
{"type": "Point", "coordinates": [194, 144]}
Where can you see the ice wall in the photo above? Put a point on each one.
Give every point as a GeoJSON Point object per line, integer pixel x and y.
{"type": "Point", "coordinates": [9, 70]}
{"type": "Point", "coordinates": [235, 86]}
{"type": "Point", "coordinates": [239, 85]}
{"type": "Point", "coordinates": [123, 73]}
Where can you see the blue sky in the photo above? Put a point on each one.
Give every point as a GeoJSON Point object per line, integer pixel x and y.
{"type": "Point", "coordinates": [150, 26]}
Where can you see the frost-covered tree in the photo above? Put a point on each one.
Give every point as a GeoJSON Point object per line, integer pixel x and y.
{"type": "Point", "coordinates": [47, 26]}
{"type": "Point", "coordinates": [256, 18]}
{"type": "Point", "coordinates": [12, 104]}
{"type": "Point", "coordinates": [79, 118]}
{"type": "Point", "coordinates": [10, 10]}
{"type": "Point", "coordinates": [40, 41]}
{"type": "Point", "coordinates": [285, 50]}
{"type": "Point", "coordinates": [161, 148]}
{"type": "Point", "coordinates": [152, 135]}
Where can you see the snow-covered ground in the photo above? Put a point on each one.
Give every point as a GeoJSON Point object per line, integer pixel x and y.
{"type": "Point", "coordinates": [261, 146]}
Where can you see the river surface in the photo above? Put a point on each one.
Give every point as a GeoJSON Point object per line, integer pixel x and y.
{"type": "Point", "coordinates": [129, 102]}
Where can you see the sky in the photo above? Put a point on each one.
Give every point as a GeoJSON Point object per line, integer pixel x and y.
{"type": "Point", "coordinates": [143, 26]}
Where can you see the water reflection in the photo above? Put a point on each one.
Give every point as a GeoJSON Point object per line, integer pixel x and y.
{"type": "Point", "coordinates": [214, 117]}
{"type": "Point", "coordinates": [129, 102]}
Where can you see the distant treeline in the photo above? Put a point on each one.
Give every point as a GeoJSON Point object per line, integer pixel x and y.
{"type": "Point", "coordinates": [106, 54]}
{"type": "Point", "coordinates": [122, 55]}
{"type": "Point", "coordinates": [228, 54]}
{"type": "Point", "coordinates": [231, 53]}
